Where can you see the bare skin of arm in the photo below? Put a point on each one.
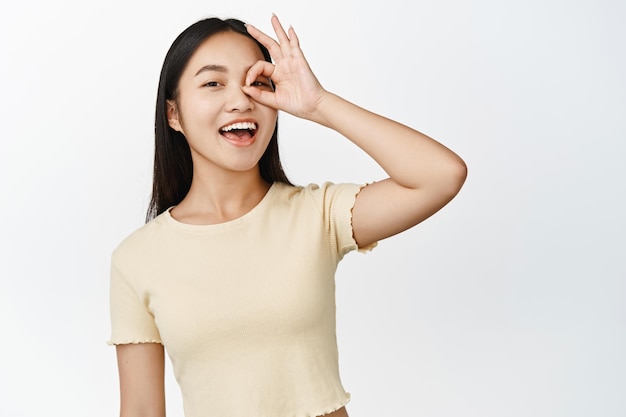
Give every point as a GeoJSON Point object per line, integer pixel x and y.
{"type": "Point", "coordinates": [141, 370]}
{"type": "Point", "coordinates": [423, 174]}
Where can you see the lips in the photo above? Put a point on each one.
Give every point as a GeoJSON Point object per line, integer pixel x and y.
{"type": "Point", "coordinates": [239, 133]}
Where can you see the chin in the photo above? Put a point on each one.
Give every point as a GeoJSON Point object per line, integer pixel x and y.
{"type": "Point", "coordinates": [243, 166]}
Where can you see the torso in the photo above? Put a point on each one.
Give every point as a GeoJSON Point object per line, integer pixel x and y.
{"type": "Point", "coordinates": [288, 297]}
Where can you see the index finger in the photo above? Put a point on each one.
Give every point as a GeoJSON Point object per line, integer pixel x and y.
{"type": "Point", "coordinates": [260, 68]}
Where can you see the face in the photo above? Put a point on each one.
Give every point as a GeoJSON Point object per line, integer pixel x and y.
{"type": "Point", "coordinates": [226, 130]}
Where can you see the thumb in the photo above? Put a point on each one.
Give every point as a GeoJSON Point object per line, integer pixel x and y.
{"type": "Point", "coordinates": [264, 97]}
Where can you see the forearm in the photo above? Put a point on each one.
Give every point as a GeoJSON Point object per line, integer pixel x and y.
{"type": "Point", "coordinates": [409, 157]}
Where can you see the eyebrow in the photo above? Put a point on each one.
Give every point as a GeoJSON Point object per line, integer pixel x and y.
{"type": "Point", "coordinates": [212, 67]}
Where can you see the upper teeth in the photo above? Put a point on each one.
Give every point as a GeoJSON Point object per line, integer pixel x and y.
{"type": "Point", "coordinates": [239, 126]}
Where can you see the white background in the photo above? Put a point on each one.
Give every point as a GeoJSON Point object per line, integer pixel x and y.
{"type": "Point", "coordinates": [509, 302]}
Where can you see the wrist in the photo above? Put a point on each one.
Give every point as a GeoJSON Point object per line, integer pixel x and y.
{"type": "Point", "coordinates": [323, 106]}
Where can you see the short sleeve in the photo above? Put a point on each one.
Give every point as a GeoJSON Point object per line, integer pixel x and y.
{"type": "Point", "coordinates": [131, 321]}
{"type": "Point", "coordinates": [338, 202]}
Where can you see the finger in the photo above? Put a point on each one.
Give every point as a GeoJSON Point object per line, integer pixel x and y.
{"type": "Point", "coordinates": [265, 97]}
{"type": "Point", "coordinates": [293, 37]}
{"type": "Point", "coordinates": [259, 68]}
{"type": "Point", "coordinates": [283, 39]}
{"type": "Point", "coordinates": [272, 46]}
{"type": "Point", "coordinates": [289, 41]}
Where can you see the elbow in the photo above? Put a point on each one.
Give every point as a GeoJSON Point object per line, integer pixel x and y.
{"type": "Point", "coordinates": [460, 173]}
{"type": "Point", "coordinates": [454, 177]}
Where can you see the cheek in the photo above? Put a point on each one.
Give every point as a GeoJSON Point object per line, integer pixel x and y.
{"type": "Point", "coordinates": [198, 114]}
{"type": "Point", "coordinates": [272, 117]}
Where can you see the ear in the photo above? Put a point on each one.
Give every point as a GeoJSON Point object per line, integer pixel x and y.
{"type": "Point", "coordinates": [173, 118]}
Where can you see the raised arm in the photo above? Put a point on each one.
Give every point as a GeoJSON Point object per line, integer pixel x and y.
{"type": "Point", "coordinates": [141, 370]}
{"type": "Point", "coordinates": [423, 174]}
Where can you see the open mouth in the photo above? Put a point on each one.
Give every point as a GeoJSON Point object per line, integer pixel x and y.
{"type": "Point", "coordinates": [239, 132]}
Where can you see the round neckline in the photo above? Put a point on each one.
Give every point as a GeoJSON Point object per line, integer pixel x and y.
{"type": "Point", "coordinates": [217, 226]}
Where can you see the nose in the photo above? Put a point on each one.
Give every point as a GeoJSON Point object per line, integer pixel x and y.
{"type": "Point", "coordinates": [238, 101]}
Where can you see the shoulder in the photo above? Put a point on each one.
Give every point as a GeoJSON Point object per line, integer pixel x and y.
{"type": "Point", "coordinates": [322, 198]}
{"type": "Point", "coordinates": [142, 239]}
{"type": "Point", "coordinates": [316, 192]}
{"type": "Point", "coordinates": [331, 201]}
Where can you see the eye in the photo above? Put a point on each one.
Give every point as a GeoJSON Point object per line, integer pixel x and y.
{"type": "Point", "coordinates": [212, 84]}
{"type": "Point", "coordinates": [262, 83]}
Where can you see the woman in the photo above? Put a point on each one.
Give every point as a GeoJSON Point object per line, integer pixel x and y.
{"type": "Point", "coordinates": [234, 271]}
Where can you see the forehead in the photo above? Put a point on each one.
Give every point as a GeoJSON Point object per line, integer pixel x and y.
{"type": "Point", "coordinates": [230, 49]}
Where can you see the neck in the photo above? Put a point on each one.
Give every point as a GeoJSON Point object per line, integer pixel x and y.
{"type": "Point", "coordinates": [221, 197]}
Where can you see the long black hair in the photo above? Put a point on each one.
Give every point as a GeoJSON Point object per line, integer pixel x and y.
{"type": "Point", "coordinates": [173, 166]}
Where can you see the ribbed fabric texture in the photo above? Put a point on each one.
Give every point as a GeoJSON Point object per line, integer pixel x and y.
{"type": "Point", "coordinates": [246, 308]}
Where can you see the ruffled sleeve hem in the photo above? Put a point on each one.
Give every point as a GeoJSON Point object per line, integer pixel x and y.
{"type": "Point", "coordinates": [371, 246]}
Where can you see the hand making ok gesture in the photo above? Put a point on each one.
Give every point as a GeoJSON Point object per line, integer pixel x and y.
{"type": "Point", "coordinates": [297, 90]}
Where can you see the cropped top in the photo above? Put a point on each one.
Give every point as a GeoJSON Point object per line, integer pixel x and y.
{"type": "Point", "coordinates": [246, 308]}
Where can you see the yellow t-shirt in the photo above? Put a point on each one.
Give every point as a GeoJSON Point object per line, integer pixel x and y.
{"type": "Point", "coordinates": [245, 308]}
